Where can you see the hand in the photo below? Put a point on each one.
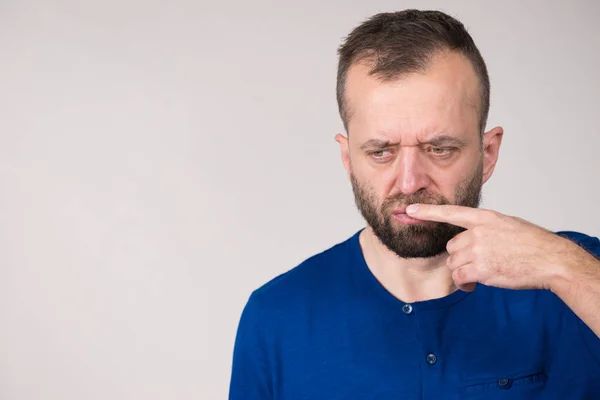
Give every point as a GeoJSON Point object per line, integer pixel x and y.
{"type": "Point", "coordinates": [496, 249]}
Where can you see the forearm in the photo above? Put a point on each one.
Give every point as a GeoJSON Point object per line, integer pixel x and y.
{"type": "Point", "coordinates": [578, 285]}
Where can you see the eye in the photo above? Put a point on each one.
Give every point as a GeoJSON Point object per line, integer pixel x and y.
{"type": "Point", "coordinates": [380, 154]}
{"type": "Point", "coordinates": [441, 151]}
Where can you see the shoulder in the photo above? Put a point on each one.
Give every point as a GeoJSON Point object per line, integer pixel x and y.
{"type": "Point", "coordinates": [313, 276]}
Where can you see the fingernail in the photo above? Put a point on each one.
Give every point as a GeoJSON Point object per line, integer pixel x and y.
{"type": "Point", "coordinates": [412, 208]}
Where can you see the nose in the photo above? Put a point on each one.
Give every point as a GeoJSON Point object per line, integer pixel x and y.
{"type": "Point", "coordinates": [411, 171]}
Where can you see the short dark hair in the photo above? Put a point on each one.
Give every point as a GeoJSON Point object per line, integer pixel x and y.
{"type": "Point", "coordinates": [404, 42]}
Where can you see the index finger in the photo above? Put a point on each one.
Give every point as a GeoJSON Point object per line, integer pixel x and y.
{"type": "Point", "coordinates": [465, 217]}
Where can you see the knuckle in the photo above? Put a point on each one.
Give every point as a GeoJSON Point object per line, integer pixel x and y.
{"type": "Point", "coordinates": [494, 213]}
{"type": "Point", "coordinates": [478, 231]}
{"type": "Point", "coordinates": [450, 245]}
{"type": "Point", "coordinates": [451, 261]}
{"type": "Point", "coordinates": [458, 275]}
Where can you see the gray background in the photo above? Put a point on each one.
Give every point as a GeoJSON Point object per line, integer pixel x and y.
{"type": "Point", "coordinates": [160, 160]}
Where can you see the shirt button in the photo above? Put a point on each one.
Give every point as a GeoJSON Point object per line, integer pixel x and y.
{"type": "Point", "coordinates": [431, 359]}
{"type": "Point", "coordinates": [504, 383]}
{"type": "Point", "coordinates": [407, 309]}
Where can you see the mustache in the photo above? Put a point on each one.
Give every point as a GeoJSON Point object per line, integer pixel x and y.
{"type": "Point", "coordinates": [418, 197]}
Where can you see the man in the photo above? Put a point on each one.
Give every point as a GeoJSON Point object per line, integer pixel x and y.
{"type": "Point", "coordinates": [435, 298]}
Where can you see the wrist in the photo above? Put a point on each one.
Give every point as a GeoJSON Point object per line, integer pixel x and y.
{"type": "Point", "coordinates": [560, 280]}
{"type": "Point", "coordinates": [563, 268]}
{"type": "Point", "coordinates": [570, 269]}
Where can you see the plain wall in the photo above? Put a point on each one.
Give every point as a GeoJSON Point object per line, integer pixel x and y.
{"type": "Point", "coordinates": [159, 160]}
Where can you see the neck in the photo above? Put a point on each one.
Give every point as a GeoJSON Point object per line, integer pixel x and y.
{"type": "Point", "coordinates": [409, 280]}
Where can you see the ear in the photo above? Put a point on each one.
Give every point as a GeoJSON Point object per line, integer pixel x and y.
{"type": "Point", "coordinates": [492, 140]}
{"type": "Point", "coordinates": [345, 150]}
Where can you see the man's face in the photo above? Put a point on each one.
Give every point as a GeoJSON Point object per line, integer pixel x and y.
{"type": "Point", "coordinates": [416, 140]}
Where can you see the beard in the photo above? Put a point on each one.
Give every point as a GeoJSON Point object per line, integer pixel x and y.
{"type": "Point", "coordinates": [421, 240]}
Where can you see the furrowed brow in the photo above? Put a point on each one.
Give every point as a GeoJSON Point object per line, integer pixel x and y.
{"type": "Point", "coordinates": [446, 140]}
{"type": "Point", "coordinates": [377, 144]}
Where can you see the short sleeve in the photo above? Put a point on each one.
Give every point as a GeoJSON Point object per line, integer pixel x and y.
{"type": "Point", "coordinates": [592, 245]}
{"type": "Point", "coordinates": [589, 243]}
{"type": "Point", "coordinates": [250, 374]}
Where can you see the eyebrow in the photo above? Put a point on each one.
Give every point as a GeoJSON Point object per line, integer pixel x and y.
{"type": "Point", "coordinates": [441, 140]}
{"type": "Point", "coordinates": [377, 144]}
{"type": "Point", "coordinates": [446, 140]}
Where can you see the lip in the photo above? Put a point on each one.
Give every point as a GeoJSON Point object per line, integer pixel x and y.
{"type": "Point", "coordinates": [400, 210]}
{"type": "Point", "coordinates": [404, 219]}
{"type": "Point", "coordinates": [401, 216]}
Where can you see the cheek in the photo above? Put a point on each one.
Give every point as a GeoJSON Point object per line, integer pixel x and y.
{"type": "Point", "coordinates": [372, 191]}
{"type": "Point", "coordinates": [376, 182]}
{"type": "Point", "coordinates": [382, 185]}
{"type": "Point", "coordinates": [447, 183]}
{"type": "Point", "coordinates": [466, 188]}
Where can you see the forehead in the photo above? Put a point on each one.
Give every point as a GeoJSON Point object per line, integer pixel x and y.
{"type": "Point", "coordinates": [442, 99]}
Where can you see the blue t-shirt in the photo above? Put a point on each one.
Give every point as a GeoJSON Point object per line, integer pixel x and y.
{"type": "Point", "coordinates": [328, 329]}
